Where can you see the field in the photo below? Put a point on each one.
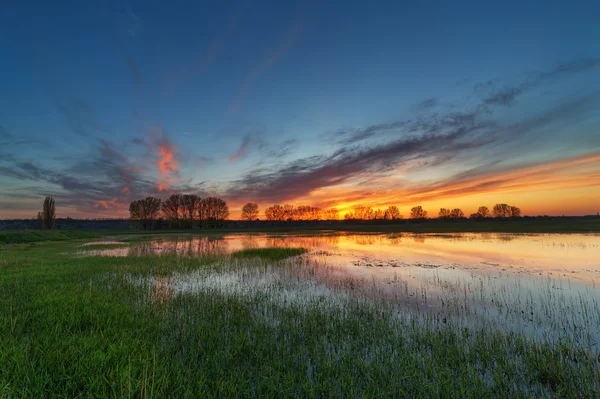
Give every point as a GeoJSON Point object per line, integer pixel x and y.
{"type": "Point", "coordinates": [260, 322]}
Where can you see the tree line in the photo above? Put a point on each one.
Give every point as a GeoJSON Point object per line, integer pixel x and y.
{"type": "Point", "coordinates": [180, 210]}
{"type": "Point", "coordinates": [186, 210]}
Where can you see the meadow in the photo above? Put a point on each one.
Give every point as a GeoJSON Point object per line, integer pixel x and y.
{"type": "Point", "coordinates": [273, 321]}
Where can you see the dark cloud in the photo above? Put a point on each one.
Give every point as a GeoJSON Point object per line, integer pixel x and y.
{"type": "Point", "coordinates": [440, 136]}
{"type": "Point", "coordinates": [494, 95]}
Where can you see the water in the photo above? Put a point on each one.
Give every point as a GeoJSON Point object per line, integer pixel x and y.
{"type": "Point", "coordinates": [541, 285]}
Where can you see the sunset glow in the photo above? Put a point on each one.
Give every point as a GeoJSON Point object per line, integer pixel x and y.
{"type": "Point", "coordinates": [298, 116]}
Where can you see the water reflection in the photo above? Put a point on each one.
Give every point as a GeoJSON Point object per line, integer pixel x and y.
{"type": "Point", "coordinates": [538, 284]}
{"type": "Point", "coordinates": [574, 256]}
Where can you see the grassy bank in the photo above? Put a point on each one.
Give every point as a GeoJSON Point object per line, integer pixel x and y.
{"type": "Point", "coordinates": [29, 236]}
{"type": "Point", "coordinates": [249, 325]}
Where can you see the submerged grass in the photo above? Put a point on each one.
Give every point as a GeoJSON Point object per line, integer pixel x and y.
{"type": "Point", "coordinates": [273, 253]}
{"type": "Point", "coordinates": [239, 326]}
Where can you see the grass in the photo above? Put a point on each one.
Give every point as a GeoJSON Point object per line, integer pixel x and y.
{"type": "Point", "coordinates": [252, 324]}
{"type": "Point", "coordinates": [30, 236]}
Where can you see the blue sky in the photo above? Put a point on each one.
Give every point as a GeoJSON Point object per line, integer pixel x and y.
{"type": "Point", "coordinates": [270, 101]}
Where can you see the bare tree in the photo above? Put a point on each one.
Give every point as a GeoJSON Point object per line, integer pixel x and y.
{"type": "Point", "coordinates": [457, 213]}
{"type": "Point", "coordinates": [363, 213]}
{"type": "Point", "coordinates": [288, 211]}
{"type": "Point", "coordinates": [145, 211]}
{"type": "Point", "coordinates": [190, 208]}
{"type": "Point", "coordinates": [417, 212]}
{"type": "Point", "coordinates": [250, 211]}
{"type": "Point", "coordinates": [275, 213]}
{"type": "Point", "coordinates": [213, 208]}
{"type": "Point", "coordinates": [49, 213]}
{"type": "Point", "coordinates": [172, 209]}
{"type": "Point", "coordinates": [515, 212]}
{"type": "Point", "coordinates": [392, 213]}
{"type": "Point", "coordinates": [331, 214]}
{"type": "Point", "coordinates": [501, 210]}
{"type": "Point", "coordinates": [378, 214]}
{"type": "Point", "coordinates": [483, 211]}
{"type": "Point", "coordinates": [444, 213]}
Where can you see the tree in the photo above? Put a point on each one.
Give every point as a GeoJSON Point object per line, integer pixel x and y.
{"type": "Point", "coordinates": [444, 213]}
{"type": "Point", "coordinates": [331, 214]}
{"type": "Point", "coordinates": [457, 213]}
{"type": "Point", "coordinates": [250, 211]}
{"type": "Point", "coordinates": [288, 212]}
{"type": "Point", "coordinates": [40, 220]}
{"type": "Point", "coordinates": [378, 214]}
{"type": "Point", "coordinates": [392, 213]}
{"type": "Point", "coordinates": [49, 213]}
{"type": "Point", "coordinates": [172, 209]}
{"type": "Point", "coordinates": [145, 211]}
{"type": "Point", "coordinates": [515, 212]}
{"type": "Point", "coordinates": [483, 211]}
{"type": "Point", "coordinates": [363, 213]}
{"type": "Point", "coordinates": [275, 213]}
{"type": "Point", "coordinates": [501, 210]}
{"type": "Point", "coordinates": [189, 204]}
{"type": "Point", "coordinates": [417, 212]}
{"type": "Point", "coordinates": [213, 208]}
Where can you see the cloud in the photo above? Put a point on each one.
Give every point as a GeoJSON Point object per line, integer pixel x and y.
{"type": "Point", "coordinates": [440, 136]}
{"type": "Point", "coordinates": [435, 140]}
{"type": "Point", "coordinates": [494, 95]}
{"type": "Point", "coordinates": [242, 150]}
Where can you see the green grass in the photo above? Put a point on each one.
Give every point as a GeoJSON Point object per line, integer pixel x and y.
{"type": "Point", "coordinates": [273, 254]}
{"type": "Point", "coordinates": [30, 236]}
{"type": "Point", "coordinates": [112, 327]}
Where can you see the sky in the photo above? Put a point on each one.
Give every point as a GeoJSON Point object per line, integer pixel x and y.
{"type": "Point", "coordinates": [330, 104]}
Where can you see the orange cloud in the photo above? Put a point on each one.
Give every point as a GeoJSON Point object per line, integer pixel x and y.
{"type": "Point", "coordinates": [167, 165]}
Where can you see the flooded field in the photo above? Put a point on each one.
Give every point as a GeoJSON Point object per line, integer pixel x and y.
{"type": "Point", "coordinates": [543, 286]}
{"type": "Point", "coordinates": [319, 315]}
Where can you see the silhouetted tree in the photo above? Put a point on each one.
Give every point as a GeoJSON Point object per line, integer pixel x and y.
{"type": "Point", "coordinates": [40, 220]}
{"type": "Point", "coordinates": [417, 212]}
{"type": "Point", "coordinates": [172, 209]}
{"type": "Point", "coordinates": [392, 213]}
{"type": "Point", "coordinates": [457, 213]}
{"type": "Point", "coordinates": [363, 213]}
{"type": "Point", "coordinates": [288, 211]}
{"type": "Point", "coordinates": [49, 213]}
{"type": "Point", "coordinates": [214, 209]}
{"type": "Point", "coordinates": [444, 213]}
{"type": "Point", "coordinates": [515, 212]}
{"type": "Point", "coordinates": [275, 213]}
{"type": "Point", "coordinates": [145, 211]}
{"type": "Point", "coordinates": [483, 211]}
{"type": "Point", "coordinates": [190, 204]}
{"type": "Point", "coordinates": [250, 211]}
{"type": "Point", "coordinates": [331, 214]}
{"type": "Point", "coordinates": [501, 210]}
{"type": "Point", "coordinates": [378, 214]}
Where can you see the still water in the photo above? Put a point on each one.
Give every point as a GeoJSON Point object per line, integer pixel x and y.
{"type": "Point", "coordinates": [571, 256]}
{"type": "Point", "coordinates": [542, 285]}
